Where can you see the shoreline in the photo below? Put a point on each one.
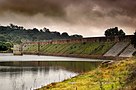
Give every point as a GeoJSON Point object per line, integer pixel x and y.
{"type": "Point", "coordinates": [88, 80]}
{"type": "Point", "coordinates": [79, 56]}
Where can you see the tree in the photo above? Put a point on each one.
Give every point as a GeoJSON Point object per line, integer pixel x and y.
{"type": "Point", "coordinates": [133, 40]}
{"type": "Point", "coordinates": [3, 47]}
{"type": "Point", "coordinates": [121, 32]}
{"type": "Point", "coordinates": [46, 30]}
{"type": "Point", "coordinates": [112, 32]}
{"type": "Point", "coordinates": [3, 38]}
{"type": "Point", "coordinates": [76, 36]}
{"type": "Point", "coordinates": [65, 34]}
{"type": "Point", "coordinates": [35, 30]}
{"type": "Point", "coordinates": [41, 30]}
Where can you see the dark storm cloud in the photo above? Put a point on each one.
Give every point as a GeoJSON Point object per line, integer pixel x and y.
{"type": "Point", "coordinates": [31, 7]}
{"type": "Point", "coordinates": [75, 14]}
{"type": "Point", "coordinates": [57, 7]}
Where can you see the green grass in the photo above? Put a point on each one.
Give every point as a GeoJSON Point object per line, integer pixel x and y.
{"type": "Point", "coordinates": [94, 48]}
{"type": "Point", "coordinates": [32, 48]}
{"type": "Point", "coordinates": [111, 77]}
{"type": "Point", "coordinates": [103, 48]}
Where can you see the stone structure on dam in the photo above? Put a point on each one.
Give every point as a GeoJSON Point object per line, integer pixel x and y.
{"type": "Point", "coordinates": [17, 50]}
{"type": "Point", "coordinates": [120, 48]}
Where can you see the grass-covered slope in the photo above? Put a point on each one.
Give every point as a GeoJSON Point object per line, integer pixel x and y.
{"type": "Point", "coordinates": [88, 48]}
{"type": "Point", "coordinates": [119, 75]}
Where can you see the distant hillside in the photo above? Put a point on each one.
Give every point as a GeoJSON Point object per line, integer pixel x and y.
{"type": "Point", "coordinates": [16, 34]}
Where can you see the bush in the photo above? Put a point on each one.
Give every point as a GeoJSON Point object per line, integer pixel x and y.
{"type": "Point", "coordinates": [5, 46]}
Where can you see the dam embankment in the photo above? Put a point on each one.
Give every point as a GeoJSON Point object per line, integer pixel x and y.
{"type": "Point", "coordinates": [98, 48]}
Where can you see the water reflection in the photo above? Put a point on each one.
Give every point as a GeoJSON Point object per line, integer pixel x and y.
{"type": "Point", "coordinates": [74, 66]}
{"type": "Point", "coordinates": [29, 75]}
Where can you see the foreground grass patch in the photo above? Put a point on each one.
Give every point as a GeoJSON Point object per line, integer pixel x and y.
{"type": "Point", "coordinates": [113, 76]}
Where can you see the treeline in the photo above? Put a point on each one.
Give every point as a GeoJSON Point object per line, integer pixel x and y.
{"type": "Point", "coordinates": [113, 32]}
{"type": "Point", "coordinates": [18, 34]}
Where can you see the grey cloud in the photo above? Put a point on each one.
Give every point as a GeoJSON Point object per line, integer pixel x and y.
{"type": "Point", "coordinates": [32, 7]}
{"type": "Point", "coordinates": [57, 7]}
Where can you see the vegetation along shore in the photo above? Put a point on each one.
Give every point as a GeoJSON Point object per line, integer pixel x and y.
{"type": "Point", "coordinates": [115, 75]}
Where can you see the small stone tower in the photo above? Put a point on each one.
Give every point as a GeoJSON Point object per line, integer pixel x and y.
{"type": "Point", "coordinates": [17, 50]}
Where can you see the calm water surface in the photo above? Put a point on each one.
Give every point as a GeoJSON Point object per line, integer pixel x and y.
{"type": "Point", "coordinates": [29, 72]}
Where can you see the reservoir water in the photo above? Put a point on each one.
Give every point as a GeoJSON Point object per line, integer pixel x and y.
{"type": "Point", "coordinates": [29, 72]}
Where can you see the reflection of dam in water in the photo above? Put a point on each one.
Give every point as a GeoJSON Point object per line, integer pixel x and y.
{"type": "Point", "coordinates": [76, 66]}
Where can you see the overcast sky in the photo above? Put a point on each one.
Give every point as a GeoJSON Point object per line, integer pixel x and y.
{"type": "Point", "coordinates": [85, 17]}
